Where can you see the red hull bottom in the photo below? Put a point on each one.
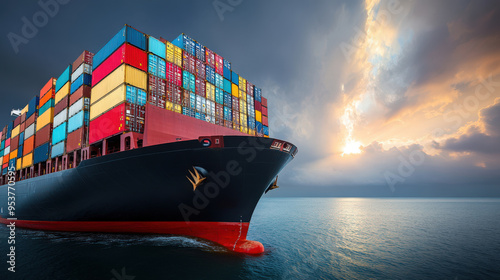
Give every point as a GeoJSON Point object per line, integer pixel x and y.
{"type": "Point", "coordinates": [230, 235]}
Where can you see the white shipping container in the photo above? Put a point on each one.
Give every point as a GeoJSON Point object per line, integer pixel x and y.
{"type": "Point", "coordinates": [6, 151]}
{"type": "Point", "coordinates": [61, 117]}
{"type": "Point", "coordinates": [84, 68]}
{"type": "Point", "coordinates": [75, 108]}
{"type": "Point", "coordinates": [29, 131]}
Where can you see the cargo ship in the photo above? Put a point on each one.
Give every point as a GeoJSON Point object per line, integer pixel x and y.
{"type": "Point", "coordinates": [146, 136]}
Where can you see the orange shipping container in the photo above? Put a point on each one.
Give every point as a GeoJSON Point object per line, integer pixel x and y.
{"type": "Point", "coordinates": [28, 145]}
{"type": "Point", "coordinates": [50, 84]}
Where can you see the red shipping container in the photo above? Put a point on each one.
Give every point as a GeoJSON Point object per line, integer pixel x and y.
{"type": "Point", "coordinates": [42, 136]}
{"type": "Point", "coordinates": [127, 54]}
{"type": "Point", "coordinates": [17, 121]}
{"type": "Point", "coordinates": [236, 117]}
{"type": "Point", "coordinates": [61, 105]}
{"type": "Point", "coordinates": [174, 93]}
{"type": "Point", "coordinates": [23, 117]}
{"type": "Point", "coordinates": [219, 121]}
{"type": "Point", "coordinates": [14, 143]}
{"type": "Point", "coordinates": [49, 85]}
{"type": "Point", "coordinates": [188, 62]}
{"type": "Point", "coordinates": [116, 121]}
{"type": "Point", "coordinates": [264, 111]}
{"type": "Point", "coordinates": [258, 105]}
{"type": "Point", "coordinates": [249, 88]}
{"type": "Point", "coordinates": [76, 139]}
{"type": "Point", "coordinates": [22, 127]}
{"type": "Point", "coordinates": [30, 120]}
{"type": "Point", "coordinates": [200, 87]}
{"type": "Point", "coordinates": [264, 102]}
{"type": "Point", "coordinates": [29, 145]}
{"type": "Point", "coordinates": [228, 124]}
{"type": "Point", "coordinates": [7, 142]}
{"type": "Point", "coordinates": [236, 104]}
{"type": "Point", "coordinates": [186, 95]}
{"type": "Point", "coordinates": [209, 57]}
{"type": "Point", "coordinates": [5, 162]}
{"type": "Point", "coordinates": [174, 74]}
{"type": "Point", "coordinates": [265, 121]}
{"type": "Point", "coordinates": [219, 65]}
{"type": "Point", "coordinates": [200, 69]}
{"type": "Point", "coordinates": [83, 91]}
{"type": "Point", "coordinates": [219, 110]}
{"type": "Point", "coordinates": [86, 57]}
{"type": "Point", "coordinates": [156, 85]}
{"type": "Point", "coordinates": [50, 94]}
{"type": "Point", "coordinates": [156, 100]}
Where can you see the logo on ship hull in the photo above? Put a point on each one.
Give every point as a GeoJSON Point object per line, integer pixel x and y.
{"type": "Point", "coordinates": [197, 179]}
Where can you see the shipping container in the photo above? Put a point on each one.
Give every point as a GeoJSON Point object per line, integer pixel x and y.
{"type": "Point", "coordinates": [258, 106]}
{"type": "Point", "coordinates": [156, 86]}
{"type": "Point", "coordinates": [174, 93]}
{"type": "Point", "coordinates": [200, 87]}
{"type": "Point", "coordinates": [19, 163]}
{"type": "Point", "coordinates": [62, 93]}
{"type": "Point", "coordinates": [114, 122]}
{"type": "Point", "coordinates": [264, 111]}
{"type": "Point", "coordinates": [250, 88]}
{"type": "Point", "coordinates": [82, 69]}
{"type": "Point", "coordinates": [46, 98]}
{"type": "Point", "coordinates": [228, 100]}
{"type": "Point", "coordinates": [123, 74]}
{"type": "Point", "coordinates": [14, 143]}
{"type": "Point", "coordinates": [157, 47]}
{"type": "Point", "coordinates": [209, 57]}
{"type": "Point", "coordinates": [209, 91]}
{"type": "Point", "coordinates": [200, 71]}
{"type": "Point", "coordinates": [81, 104]}
{"type": "Point", "coordinates": [258, 116]}
{"type": "Point", "coordinates": [265, 121]}
{"type": "Point", "coordinates": [234, 90]}
{"type": "Point", "coordinates": [264, 102]}
{"type": "Point", "coordinates": [76, 140]}
{"type": "Point", "coordinates": [259, 129]}
{"type": "Point", "coordinates": [126, 34]}
{"type": "Point", "coordinates": [192, 100]}
{"type": "Point", "coordinates": [17, 121]}
{"type": "Point", "coordinates": [126, 54]}
{"type": "Point", "coordinates": [210, 74]}
{"type": "Point", "coordinates": [28, 132]}
{"type": "Point", "coordinates": [15, 132]}
{"type": "Point", "coordinates": [257, 94]}
{"type": "Point", "coordinates": [219, 81]}
{"type": "Point", "coordinates": [200, 52]}
{"type": "Point", "coordinates": [21, 138]}
{"type": "Point", "coordinates": [77, 121]}
{"type": "Point", "coordinates": [157, 100]}
{"type": "Point", "coordinates": [188, 81]}
{"type": "Point", "coordinates": [63, 78]}
{"type": "Point", "coordinates": [157, 66]}
{"type": "Point", "coordinates": [32, 106]}
{"type": "Point", "coordinates": [188, 63]}
{"type": "Point", "coordinates": [61, 117]}
{"type": "Point", "coordinates": [59, 133]}
{"type": "Point", "coordinates": [46, 106]}
{"type": "Point", "coordinates": [49, 86]}
{"type": "Point", "coordinates": [136, 96]}
{"type": "Point", "coordinates": [85, 58]}
{"type": "Point", "coordinates": [174, 54]}
{"type": "Point", "coordinates": [44, 119]}
{"type": "Point", "coordinates": [63, 104]}
{"type": "Point", "coordinates": [219, 64]}
{"type": "Point", "coordinates": [57, 149]}
{"type": "Point", "coordinates": [235, 104]}
{"type": "Point", "coordinates": [242, 84]}
{"type": "Point", "coordinates": [227, 70]}
{"type": "Point", "coordinates": [227, 86]}
{"type": "Point", "coordinates": [219, 95]}
{"type": "Point", "coordinates": [266, 130]}
{"type": "Point", "coordinates": [79, 93]}
{"type": "Point", "coordinates": [29, 145]}
{"type": "Point", "coordinates": [43, 135]}
{"type": "Point", "coordinates": [114, 98]}
{"type": "Point", "coordinates": [174, 74]}
{"type": "Point", "coordinates": [186, 43]}
{"type": "Point", "coordinates": [235, 79]}
{"type": "Point", "coordinates": [84, 79]}
{"type": "Point", "coordinates": [41, 153]}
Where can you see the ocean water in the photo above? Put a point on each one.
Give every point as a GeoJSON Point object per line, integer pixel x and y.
{"type": "Point", "coordinates": [305, 238]}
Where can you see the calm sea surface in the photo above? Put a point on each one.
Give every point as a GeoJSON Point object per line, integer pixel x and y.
{"type": "Point", "coordinates": [305, 238]}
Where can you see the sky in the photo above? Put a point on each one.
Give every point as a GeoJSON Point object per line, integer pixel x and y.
{"type": "Point", "coordinates": [383, 98]}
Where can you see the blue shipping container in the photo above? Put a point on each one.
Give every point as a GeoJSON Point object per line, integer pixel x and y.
{"type": "Point", "coordinates": [4, 171]}
{"type": "Point", "coordinates": [251, 124]}
{"type": "Point", "coordinates": [227, 73]}
{"type": "Point", "coordinates": [58, 150]}
{"type": "Point", "coordinates": [75, 122]}
{"type": "Point", "coordinates": [157, 47]}
{"type": "Point", "coordinates": [84, 79]}
{"type": "Point", "coordinates": [136, 96]}
{"type": "Point", "coordinates": [2, 146]}
{"type": "Point", "coordinates": [219, 81]}
{"type": "Point", "coordinates": [64, 78]}
{"type": "Point", "coordinates": [258, 127]}
{"type": "Point", "coordinates": [41, 153]}
{"type": "Point", "coordinates": [227, 85]}
{"type": "Point", "coordinates": [12, 162]}
{"type": "Point", "coordinates": [157, 66]}
{"type": "Point", "coordinates": [59, 133]}
{"type": "Point", "coordinates": [21, 138]}
{"type": "Point", "coordinates": [210, 74]}
{"type": "Point", "coordinates": [126, 34]}
{"type": "Point", "coordinates": [235, 78]}
{"type": "Point", "coordinates": [257, 93]}
{"type": "Point", "coordinates": [228, 100]}
{"type": "Point", "coordinates": [200, 52]}
{"type": "Point", "coordinates": [186, 43]}
{"type": "Point", "coordinates": [32, 105]}
{"type": "Point", "coordinates": [192, 100]}
{"type": "Point", "coordinates": [219, 96]}
{"type": "Point", "coordinates": [266, 130]}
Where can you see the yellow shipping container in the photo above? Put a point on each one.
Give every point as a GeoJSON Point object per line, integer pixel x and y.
{"type": "Point", "coordinates": [63, 92]}
{"type": "Point", "coordinates": [169, 106]}
{"type": "Point", "coordinates": [123, 74]}
{"type": "Point", "coordinates": [115, 97]}
{"type": "Point", "coordinates": [243, 84]}
{"type": "Point", "coordinates": [243, 119]}
{"type": "Point", "coordinates": [266, 136]}
{"type": "Point", "coordinates": [27, 160]}
{"type": "Point", "coordinates": [251, 132]}
{"type": "Point", "coordinates": [244, 129]}
{"type": "Point", "coordinates": [19, 163]}
{"type": "Point", "coordinates": [178, 108]}
{"type": "Point", "coordinates": [170, 52]}
{"type": "Point", "coordinates": [25, 109]}
{"type": "Point", "coordinates": [210, 91]}
{"type": "Point", "coordinates": [178, 56]}
{"type": "Point", "coordinates": [13, 154]}
{"type": "Point", "coordinates": [243, 107]}
{"type": "Point", "coordinates": [15, 131]}
{"type": "Point", "coordinates": [46, 118]}
{"type": "Point", "coordinates": [258, 115]}
{"type": "Point", "coordinates": [234, 90]}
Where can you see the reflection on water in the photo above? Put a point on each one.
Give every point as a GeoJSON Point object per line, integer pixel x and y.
{"type": "Point", "coordinates": [305, 238]}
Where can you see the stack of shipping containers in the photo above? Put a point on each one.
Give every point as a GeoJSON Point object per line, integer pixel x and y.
{"type": "Point", "coordinates": [44, 122]}
{"type": "Point", "coordinates": [119, 82]}
{"type": "Point", "coordinates": [105, 95]}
